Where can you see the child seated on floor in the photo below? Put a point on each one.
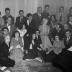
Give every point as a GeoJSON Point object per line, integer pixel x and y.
{"type": "Point", "coordinates": [58, 45]}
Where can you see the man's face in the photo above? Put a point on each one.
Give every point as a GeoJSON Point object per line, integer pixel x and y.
{"type": "Point", "coordinates": [7, 12]}
{"type": "Point", "coordinates": [39, 10]}
{"type": "Point", "coordinates": [47, 9]}
{"type": "Point", "coordinates": [30, 18]}
{"type": "Point", "coordinates": [68, 34]}
{"type": "Point", "coordinates": [9, 21]}
{"type": "Point", "coordinates": [61, 9]}
{"type": "Point", "coordinates": [21, 14]}
{"type": "Point", "coordinates": [37, 33]}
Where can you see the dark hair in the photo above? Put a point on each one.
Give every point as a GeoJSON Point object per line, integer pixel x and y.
{"type": "Point", "coordinates": [47, 19]}
{"type": "Point", "coordinates": [29, 14]}
{"type": "Point", "coordinates": [53, 16]}
{"type": "Point", "coordinates": [15, 33]}
{"type": "Point", "coordinates": [47, 6]}
{"type": "Point", "coordinates": [21, 11]}
{"type": "Point", "coordinates": [7, 9]}
{"type": "Point", "coordinates": [4, 28]}
{"type": "Point", "coordinates": [61, 7]}
{"type": "Point", "coordinates": [39, 7]}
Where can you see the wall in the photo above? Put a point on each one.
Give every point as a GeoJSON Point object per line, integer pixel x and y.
{"type": "Point", "coordinates": [31, 5]}
{"type": "Point", "coordinates": [16, 5]}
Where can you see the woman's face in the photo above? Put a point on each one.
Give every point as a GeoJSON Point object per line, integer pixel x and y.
{"type": "Point", "coordinates": [5, 31]}
{"type": "Point", "coordinates": [45, 21]}
{"type": "Point", "coordinates": [7, 38]}
{"type": "Point", "coordinates": [16, 35]}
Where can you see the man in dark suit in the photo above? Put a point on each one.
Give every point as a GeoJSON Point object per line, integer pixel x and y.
{"type": "Point", "coordinates": [31, 25]}
{"type": "Point", "coordinates": [11, 27]}
{"type": "Point", "coordinates": [38, 17]}
{"type": "Point", "coordinates": [7, 14]}
{"type": "Point", "coordinates": [45, 13]}
{"type": "Point", "coordinates": [21, 19]}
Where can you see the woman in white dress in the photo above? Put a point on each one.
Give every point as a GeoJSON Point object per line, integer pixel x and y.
{"type": "Point", "coordinates": [44, 32]}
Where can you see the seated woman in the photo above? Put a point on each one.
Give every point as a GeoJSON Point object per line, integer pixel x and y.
{"type": "Point", "coordinates": [4, 53]}
{"type": "Point", "coordinates": [58, 45]}
{"type": "Point", "coordinates": [16, 51]}
{"type": "Point", "coordinates": [64, 59]}
{"type": "Point", "coordinates": [32, 51]}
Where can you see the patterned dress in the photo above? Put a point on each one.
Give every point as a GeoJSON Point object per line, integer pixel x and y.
{"type": "Point", "coordinates": [16, 53]}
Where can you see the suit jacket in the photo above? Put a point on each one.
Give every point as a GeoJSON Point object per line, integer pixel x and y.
{"type": "Point", "coordinates": [4, 50]}
{"type": "Point", "coordinates": [68, 43]}
{"type": "Point", "coordinates": [5, 19]}
{"type": "Point", "coordinates": [37, 19]}
{"type": "Point", "coordinates": [62, 19]}
{"type": "Point", "coordinates": [45, 15]}
{"type": "Point", "coordinates": [20, 22]}
{"type": "Point", "coordinates": [31, 28]}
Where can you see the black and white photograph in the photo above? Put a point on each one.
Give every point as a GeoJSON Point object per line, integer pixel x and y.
{"type": "Point", "coordinates": [35, 35]}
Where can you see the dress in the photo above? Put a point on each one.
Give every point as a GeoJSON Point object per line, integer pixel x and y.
{"type": "Point", "coordinates": [16, 53]}
{"type": "Point", "coordinates": [44, 31]}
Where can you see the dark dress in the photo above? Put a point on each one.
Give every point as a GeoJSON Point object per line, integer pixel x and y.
{"type": "Point", "coordinates": [33, 53]}
{"type": "Point", "coordinates": [4, 53]}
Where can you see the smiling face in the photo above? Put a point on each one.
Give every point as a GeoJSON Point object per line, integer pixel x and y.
{"type": "Point", "coordinates": [7, 39]}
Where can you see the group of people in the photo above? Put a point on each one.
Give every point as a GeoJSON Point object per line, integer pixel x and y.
{"type": "Point", "coordinates": [36, 35]}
